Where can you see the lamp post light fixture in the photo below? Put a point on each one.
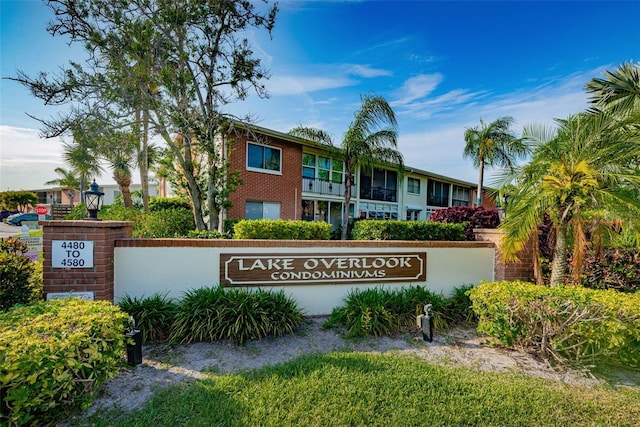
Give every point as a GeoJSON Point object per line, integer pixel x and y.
{"type": "Point", "coordinates": [93, 199]}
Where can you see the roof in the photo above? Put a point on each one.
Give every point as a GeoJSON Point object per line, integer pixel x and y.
{"type": "Point", "coordinates": [304, 142]}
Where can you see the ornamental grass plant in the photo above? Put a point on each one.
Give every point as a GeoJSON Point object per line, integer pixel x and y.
{"type": "Point", "coordinates": [216, 313]}
{"type": "Point", "coordinates": [381, 311]}
{"type": "Point", "coordinates": [153, 315]}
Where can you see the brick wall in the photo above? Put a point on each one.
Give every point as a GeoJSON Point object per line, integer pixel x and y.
{"type": "Point", "coordinates": [100, 278]}
{"type": "Point", "coordinates": [522, 270]}
{"type": "Point", "coordinates": [285, 188]}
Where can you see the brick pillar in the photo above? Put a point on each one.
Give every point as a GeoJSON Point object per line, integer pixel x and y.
{"type": "Point", "coordinates": [522, 270]}
{"type": "Point", "coordinates": [97, 279]}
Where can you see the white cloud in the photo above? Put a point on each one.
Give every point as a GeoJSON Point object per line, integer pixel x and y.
{"type": "Point", "coordinates": [436, 145]}
{"type": "Point", "coordinates": [418, 87]}
{"type": "Point", "coordinates": [296, 85]}
{"type": "Point", "coordinates": [368, 72]}
{"type": "Point", "coordinates": [26, 160]}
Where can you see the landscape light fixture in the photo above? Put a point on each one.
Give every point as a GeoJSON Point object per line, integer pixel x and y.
{"type": "Point", "coordinates": [93, 199]}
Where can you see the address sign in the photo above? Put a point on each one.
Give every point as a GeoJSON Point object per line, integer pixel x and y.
{"type": "Point", "coordinates": [72, 253]}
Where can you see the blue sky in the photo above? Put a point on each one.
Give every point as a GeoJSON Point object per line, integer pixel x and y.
{"type": "Point", "coordinates": [442, 66]}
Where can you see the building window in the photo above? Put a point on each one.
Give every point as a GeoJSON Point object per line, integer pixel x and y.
{"type": "Point", "coordinates": [379, 184]}
{"type": "Point", "coordinates": [324, 210]}
{"type": "Point", "coordinates": [461, 196]}
{"type": "Point", "coordinates": [413, 185]}
{"type": "Point", "coordinates": [378, 211]}
{"type": "Point", "coordinates": [263, 158]}
{"type": "Point", "coordinates": [323, 168]}
{"type": "Point", "coordinates": [413, 214]}
{"type": "Point", "coordinates": [437, 193]}
{"type": "Point", "coordinates": [262, 210]}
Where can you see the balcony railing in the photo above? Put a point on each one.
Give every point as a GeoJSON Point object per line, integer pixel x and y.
{"type": "Point", "coordinates": [319, 186]}
{"type": "Point", "coordinates": [379, 193]}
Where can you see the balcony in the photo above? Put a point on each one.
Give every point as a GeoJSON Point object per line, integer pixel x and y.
{"type": "Point", "coordinates": [379, 193]}
{"type": "Point", "coordinates": [319, 186]}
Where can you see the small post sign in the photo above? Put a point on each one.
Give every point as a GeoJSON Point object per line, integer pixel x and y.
{"type": "Point", "coordinates": [72, 254]}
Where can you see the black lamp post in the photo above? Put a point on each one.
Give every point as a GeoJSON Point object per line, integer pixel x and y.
{"type": "Point", "coordinates": [93, 199]}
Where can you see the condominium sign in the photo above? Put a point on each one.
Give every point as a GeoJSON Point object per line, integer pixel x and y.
{"type": "Point", "coordinates": [323, 268]}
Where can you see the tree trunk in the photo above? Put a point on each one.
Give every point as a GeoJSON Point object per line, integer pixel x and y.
{"type": "Point", "coordinates": [124, 183]}
{"type": "Point", "coordinates": [345, 208]}
{"type": "Point", "coordinates": [144, 163]}
{"type": "Point", "coordinates": [480, 183]}
{"type": "Point", "coordinates": [559, 265]}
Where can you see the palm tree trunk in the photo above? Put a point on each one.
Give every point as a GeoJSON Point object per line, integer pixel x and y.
{"type": "Point", "coordinates": [480, 182]}
{"type": "Point", "coordinates": [345, 208]}
{"type": "Point", "coordinates": [559, 265]}
{"type": "Point", "coordinates": [124, 183]}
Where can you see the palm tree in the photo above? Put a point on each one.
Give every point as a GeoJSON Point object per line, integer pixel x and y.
{"type": "Point", "coordinates": [492, 144]}
{"type": "Point", "coordinates": [66, 179]}
{"type": "Point", "coordinates": [583, 170]}
{"type": "Point", "coordinates": [370, 139]}
{"type": "Point", "coordinates": [119, 150]}
{"type": "Point", "coordinates": [619, 92]}
{"type": "Point", "coordinates": [82, 156]}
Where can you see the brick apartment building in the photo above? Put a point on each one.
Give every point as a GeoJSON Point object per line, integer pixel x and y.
{"type": "Point", "coordinates": [291, 178]}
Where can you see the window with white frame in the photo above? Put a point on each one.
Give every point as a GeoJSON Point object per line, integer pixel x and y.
{"type": "Point", "coordinates": [263, 158]}
{"type": "Point", "coordinates": [323, 168]}
{"type": "Point", "coordinates": [262, 210]}
{"type": "Point", "coordinates": [437, 193]}
{"type": "Point", "coordinates": [378, 211]}
{"type": "Point", "coordinates": [460, 196]}
{"type": "Point", "coordinates": [413, 185]}
{"type": "Point", "coordinates": [379, 184]}
{"type": "Point", "coordinates": [325, 210]}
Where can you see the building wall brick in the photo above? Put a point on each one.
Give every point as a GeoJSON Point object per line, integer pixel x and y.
{"type": "Point", "coordinates": [100, 278]}
{"type": "Point", "coordinates": [285, 188]}
{"type": "Point", "coordinates": [509, 271]}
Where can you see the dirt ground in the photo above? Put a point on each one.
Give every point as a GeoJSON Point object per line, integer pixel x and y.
{"type": "Point", "coordinates": [164, 365]}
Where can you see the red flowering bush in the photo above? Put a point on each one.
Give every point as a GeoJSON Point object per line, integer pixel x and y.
{"type": "Point", "coordinates": [618, 269]}
{"type": "Point", "coordinates": [474, 217]}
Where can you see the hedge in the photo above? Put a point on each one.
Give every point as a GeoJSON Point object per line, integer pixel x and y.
{"type": "Point", "coordinates": [407, 230]}
{"type": "Point", "coordinates": [54, 355]}
{"type": "Point", "coordinates": [278, 229]}
{"type": "Point", "coordinates": [565, 324]}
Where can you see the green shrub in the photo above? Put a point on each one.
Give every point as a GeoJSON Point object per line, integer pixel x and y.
{"type": "Point", "coordinates": [566, 324]}
{"type": "Point", "coordinates": [208, 234]}
{"type": "Point", "coordinates": [54, 355]}
{"type": "Point", "coordinates": [278, 229]}
{"type": "Point", "coordinates": [229, 224]}
{"type": "Point", "coordinates": [174, 222]}
{"type": "Point", "coordinates": [211, 314]}
{"type": "Point", "coordinates": [158, 204]}
{"type": "Point", "coordinates": [407, 230]}
{"type": "Point", "coordinates": [381, 311]}
{"type": "Point", "coordinates": [20, 278]}
{"type": "Point", "coordinates": [153, 315]}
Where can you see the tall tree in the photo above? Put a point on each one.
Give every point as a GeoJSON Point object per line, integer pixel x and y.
{"type": "Point", "coordinates": [179, 62]}
{"type": "Point", "coordinates": [492, 144]}
{"type": "Point", "coordinates": [370, 139]}
{"type": "Point", "coordinates": [583, 170]}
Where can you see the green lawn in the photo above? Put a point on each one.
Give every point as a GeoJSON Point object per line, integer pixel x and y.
{"type": "Point", "coordinates": [362, 389]}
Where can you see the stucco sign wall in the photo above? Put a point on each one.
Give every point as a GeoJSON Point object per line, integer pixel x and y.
{"type": "Point", "coordinates": [241, 269]}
